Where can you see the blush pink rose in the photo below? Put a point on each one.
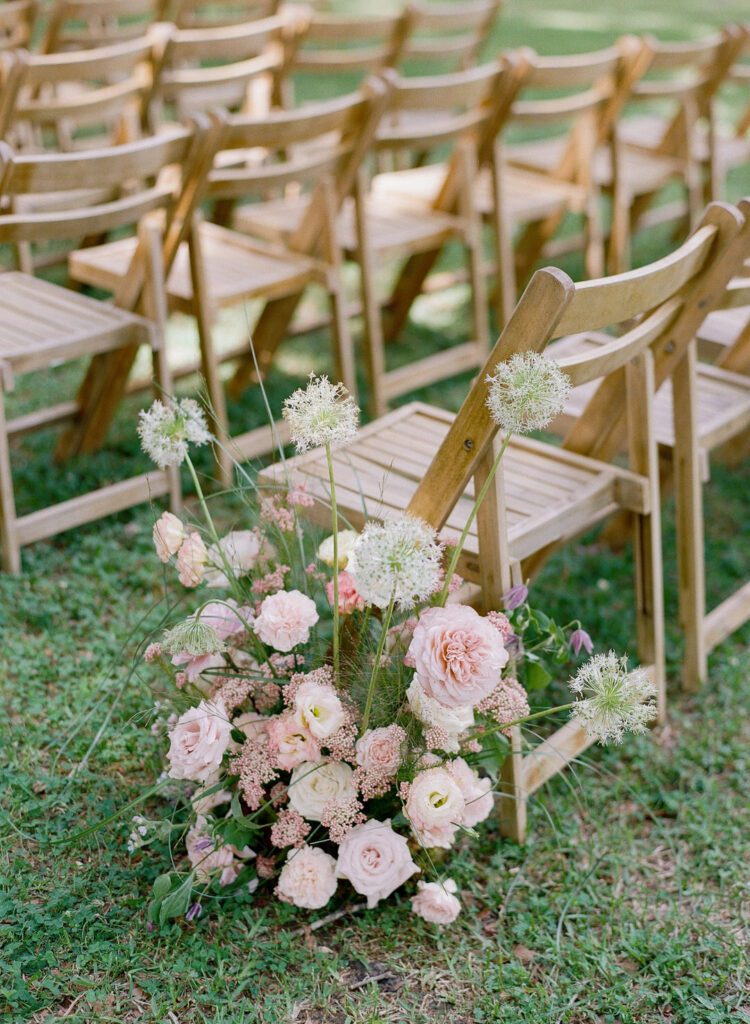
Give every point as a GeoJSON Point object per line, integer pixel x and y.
{"type": "Point", "coordinates": [436, 902]}
{"type": "Point", "coordinates": [379, 750]}
{"type": "Point", "coordinates": [308, 879]}
{"type": "Point", "coordinates": [291, 742]}
{"type": "Point", "coordinates": [229, 621]}
{"type": "Point", "coordinates": [476, 791]}
{"type": "Point", "coordinates": [458, 655]}
{"type": "Point", "coordinates": [168, 534]}
{"type": "Point", "coordinates": [191, 560]}
{"type": "Point", "coordinates": [286, 619]}
{"type": "Point", "coordinates": [198, 741]}
{"type": "Point", "coordinates": [375, 859]}
{"type": "Point", "coordinates": [349, 598]}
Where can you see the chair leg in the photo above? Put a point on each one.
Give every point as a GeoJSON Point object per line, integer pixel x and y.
{"type": "Point", "coordinates": [618, 258]}
{"type": "Point", "coordinates": [11, 548]}
{"type": "Point", "coordinates": [689, 510]}
{"type": "Point", "coordinates": [594, 255]}
{"type": "Point", "coordinates": [475, 253]}
{"type": "Point", "coordinates": [372, 322]}
{"type": "Point", "coordinates": [343, 347]}
{"type": "Point", "coordinates": [202, 309]}
{"type": "Point", "coordinates": [513, 799]}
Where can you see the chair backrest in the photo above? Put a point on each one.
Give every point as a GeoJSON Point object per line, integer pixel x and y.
{"type": "Point", "coordinates": [739, 79]}
{"type": "Point", "coordinates": [201, 68]}
{"type": "Point", "coordinates": [335, 52]}
{"type": "Point", "coordinates": [17, 19]}
{"type": "Point", "coordinates": [137, 180]}
{"type": "Point", "coordinates": [578, 96]}
{"type": "Point", "coordinates": [686, 75]}
{"type": "Point", "coordinates": [218, 13]}
{"type": "Point", "coordinates": [84, 24]}
{"type": "Point", "coordinates": [448, 36]}
{"type": "Point", "coordinates": [660, 305]}
{"type": "Point", "coordinates": [318, 147]}
{"type": "Point", "coordinates": [48, 99]}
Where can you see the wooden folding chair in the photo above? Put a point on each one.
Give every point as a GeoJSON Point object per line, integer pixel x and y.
{"type": "Point", "coordinates": [704, 411]}
{"type": "Point", "coordinates": [231, 66]}
{"type": "Point", "coordinates": [447, 36]}
{"type": "Point", "coordinates": [76, 100]}
{"type": "Point", "coordinates": [422, 460]}
{"type": "Point", "coordinates": [43, 324]}
{"type": "Point", "coordinates": [730, 146]}
{"type": "Point", "coordinates": [221, 267]}
{"type": "Point", "coordinates": [380, 224]}
{"type": "Point", "coordinates": [334, 53]}
{"type": "Point", "coordinates": [17, 18]}
{"type": "Point", "coordinates": [84, 24]}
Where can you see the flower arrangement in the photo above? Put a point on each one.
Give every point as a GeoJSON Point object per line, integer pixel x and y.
{"type": "Point", "coordinates": [338, 717]}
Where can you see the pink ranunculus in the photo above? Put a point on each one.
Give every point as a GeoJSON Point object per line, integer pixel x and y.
{"type": "Point", "coordinates": [380, 750]}
{"type": "Point", "coordinates": [308, 879]}
{"type": "Point", "coordinates": [436, 902]}
{"type": "Point", "coordinates": [435, 807]}
{"type": "Point", "coordinates": [168, 534]}
{"type": "Point", "coordinates": [198, 741]}
{"type": "Point", "coordinates": [349, 599]}
{"type": "Point", "coordinates": [291, 742]}
{"type": "Point", "coordinates": [195, 664]}
{"type": "Point", "coordinates": [228, 620]}
{"type": "Point", "coordinates": [458, 655]}
{"type": "Point", "coordinates": [375, 859]}
{"type": "Point", "coordinates": [286, 619]}
{"type": "Point", "coordinates": [191, 560]}
{"type": "Point", "coordinates": [476, 791]}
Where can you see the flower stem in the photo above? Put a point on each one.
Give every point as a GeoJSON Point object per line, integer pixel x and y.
{"type": "Point", "coordinates": [376, 666]}
{"type": "Point", "coordinates": [527, 718]}
{"type": "Point", "coordinates": [228, 571]}
{"type": "Point", "coordinates": [472, 515]}
{"type": "Point", "coordinates": [335, 519]}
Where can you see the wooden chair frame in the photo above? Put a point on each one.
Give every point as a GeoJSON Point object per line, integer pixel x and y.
{"type": "Point", "coordinates": [448, 36]}
{"type": "Point", "coordinates": [207, 14]}
{"type": "Point", "coordinates": [17, 19]}
{"type": "Point", "coordinates": [105, 23]}
{"type": "Point", "coordinates": [78, 326]}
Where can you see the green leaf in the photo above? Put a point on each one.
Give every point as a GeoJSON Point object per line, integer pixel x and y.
{"type": "Point", "coordinates": [494, 751]}
{"type": "Point", "coordinates": [537, 676]}
{"type": "Point", "coordinates": [248, 821]}
{"type": "Point", "coordinates": [178, 901]}
{"type": "Point", "coordinates": [162, 886]}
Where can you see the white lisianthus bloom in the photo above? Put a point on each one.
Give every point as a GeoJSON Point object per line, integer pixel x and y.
{"type": "Point", "coordinates": [527, 392]}
{"type": "Point", "coordinates": [314, 784]}
{"type": "Point", "coordinates": [435, 807]}
{"type": "Point", "coordinates": [320, 708]}
{"type": "Point", "coordinates": [432, 714]}
{"type": "Point", "coordinates": [346, 541]}
{"type": "Point", "coordinates": [321, 414]}
{"type": "Point", "coordinates": [398, 560]}
{"type": "Point", "coordinates": [167, 428]}
{"type": "Point", "coordinates": [611, 700]}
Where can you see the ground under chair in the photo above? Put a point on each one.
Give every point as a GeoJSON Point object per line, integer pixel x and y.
{"type": "Point", "coordinates": [422, 460]}
{"type": "Point", "coordinates": [43, 324]}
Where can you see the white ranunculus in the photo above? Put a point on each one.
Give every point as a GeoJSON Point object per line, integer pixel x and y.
{"type": "Point", "coordinates": [314, 784]}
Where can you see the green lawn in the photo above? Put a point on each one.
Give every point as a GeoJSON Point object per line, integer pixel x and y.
{"type": "Point", "coordinates": [629, 904]}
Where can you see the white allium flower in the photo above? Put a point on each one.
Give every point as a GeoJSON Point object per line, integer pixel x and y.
{"type": "Point", "coordinates": [194, 637]}
{"type": "Point", "coordinates": [166, 429]}
{"type": "Point", "coordinates": [610, 700]}
{"type": "Point", "coordinates": [398, 560]}
{"type": "Point", "coordinates": [321, 414]}
{"type": "Point", "coordinates": [527, 392]}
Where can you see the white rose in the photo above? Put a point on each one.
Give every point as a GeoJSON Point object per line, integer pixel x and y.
{"type": "Point", "coordinates": [346, 540]}
{"type": "Point", "coordinates": [198, 741]}
{"type": "Point", "coordinates": [454, 721]}
{"type": "Point", "coordinates": [308, 879]}
{"type": "Point", "coordinates": [315, 783]}
{"type": "Point", "coordinates": [240, 548]}
{"type": "Point", "coordinates": [319, 708]}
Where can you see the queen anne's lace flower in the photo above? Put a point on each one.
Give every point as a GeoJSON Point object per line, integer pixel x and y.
{"type": "Point", "coordinates": [168, 427]}
{"type": "Point", "coordinates": [194, 637]}
{"type": "Point", "coordinates": [320, 414]}
{"type": "Point", "coordinates": [611, 700]}
{"type": "Point", "coordinates": [526, 393]}
{"type": "Point", "coordinates": [397, 560]}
